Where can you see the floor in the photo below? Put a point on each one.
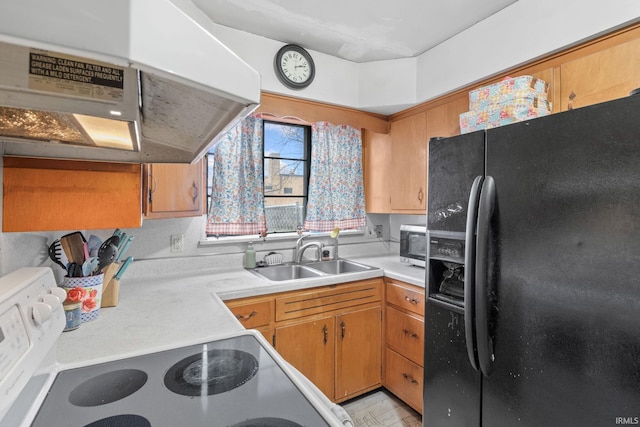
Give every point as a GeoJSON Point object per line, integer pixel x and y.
{"type": "Point", "coordinates": [381, 408]}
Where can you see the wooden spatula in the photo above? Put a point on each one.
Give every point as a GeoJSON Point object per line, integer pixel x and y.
{"type": "Point", "coordinates": [72, 244]}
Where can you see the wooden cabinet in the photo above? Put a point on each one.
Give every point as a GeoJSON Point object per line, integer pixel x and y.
{"type": "Point", "coordinates": [48, 195]}
{"type": "Point", "coordinates": [255, 313]}
{"type": "Point", "coordinates": [404, 341]}
{"type": "Point", "coordinates": [310, 347]}
{"type": "Point", "coordinates": [409, 164]}
{"type": "Point", "coordinates": [377, 171]}
{"type": "Point", "coordinates": [333, 335]}
{"type": "Point", "coordinates": [358, 351]}
{"type": "Point", "coordinates": [601, 76]}
{"type": "Point", "coordinates": [444, 120]}
{"type": "Point", "coordinates": [175, 190]}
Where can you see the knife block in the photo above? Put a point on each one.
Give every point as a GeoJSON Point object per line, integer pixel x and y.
{"type": "Point", "coordinates": [111, 287]}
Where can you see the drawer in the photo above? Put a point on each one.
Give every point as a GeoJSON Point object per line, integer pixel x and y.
{"type": "Point", "coordinates": [404, 379]}
{"type": "Point", "coordinates": [407, 297]}
{"type": "Point", "coordinates": [405, 334]}
{"type": "Point", "coordinates": [253, 313]}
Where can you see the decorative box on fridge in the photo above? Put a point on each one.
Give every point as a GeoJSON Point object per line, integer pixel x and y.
{"type": "Point", "coordinates": [509, 101]}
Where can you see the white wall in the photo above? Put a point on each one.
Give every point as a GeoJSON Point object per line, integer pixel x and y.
{"type": "Point", "coordinates": [525, 30]}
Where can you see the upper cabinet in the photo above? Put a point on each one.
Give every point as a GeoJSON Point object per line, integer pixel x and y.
{"type": "Point", "coordinates": [601, 76]}
{"type": "Point", "coordinates": [409, 164]}
{"type": "Point", "coordinates": [174, 190]}
{"type": "Point", "coordinates": [50, 195]}
{"type": "Point", "coordinates": [376, 168]}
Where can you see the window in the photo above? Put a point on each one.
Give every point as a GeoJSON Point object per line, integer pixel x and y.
{"type": "Point", "coordinates": [286, 166]}
{"type": "Point", "coordinates": [287, 153]}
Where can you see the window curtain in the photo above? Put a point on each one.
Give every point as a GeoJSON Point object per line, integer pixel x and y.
{"type": "Point", "coordinates": [237, 201]}
{"type": "Point", "coordinates": [336, 190]}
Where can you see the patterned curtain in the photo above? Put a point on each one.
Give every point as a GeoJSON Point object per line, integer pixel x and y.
{"type": "Point", "coordinates": [237, 201]}
{"type": "Point", "coordinates": [336, 191]}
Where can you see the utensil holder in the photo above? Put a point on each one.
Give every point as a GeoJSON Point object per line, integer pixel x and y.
{"type": "Point", "coordinates": [86, 290]}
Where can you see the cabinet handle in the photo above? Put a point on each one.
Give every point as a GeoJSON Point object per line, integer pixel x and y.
{"type": "Point", "coordinates": [194, 192]}
{"type": "Point", "coordinates": [420, 195]}
{"type": "Point", "coordinates": [153, 187]}
{"type": "Point", "coordinates": [411, 300]}
{"type": "Point", "coordinates": [247, 317]}
{"type": "Point", "coordinates": [409, 378]}
{"type": "Point", "coordinates": [342, 327]}
{"type": "Point", "coordinates": [325, 331]}
{"type": "Point", "coordinates": [411, 334]}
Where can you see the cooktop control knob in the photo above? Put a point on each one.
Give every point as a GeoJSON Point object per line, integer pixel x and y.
{"type": "Point", "coordinates": [60, 293]}
{"type": "Point", "coordinates": [51, 300]}
{"type": "Point", "coordinates": [40, 312]}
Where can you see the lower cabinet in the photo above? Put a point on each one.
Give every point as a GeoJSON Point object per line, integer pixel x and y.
{"type": "Point", "coordinates": [404, 379]}
{"type": "Point", "coordinates": [254, 313]}
{"type": "Point", "coordinates": [404, 343]}
{"type": "Point", "coordinates": [333, 335]}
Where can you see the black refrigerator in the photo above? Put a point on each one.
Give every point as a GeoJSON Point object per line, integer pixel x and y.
{"type": "Point", "coordinates": [533, 272]}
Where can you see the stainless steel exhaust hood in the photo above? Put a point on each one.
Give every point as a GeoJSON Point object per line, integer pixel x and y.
{"type": "Point", "coordinates": [137, 81]}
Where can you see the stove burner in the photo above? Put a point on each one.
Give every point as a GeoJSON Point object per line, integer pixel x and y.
{"type": "Point", "coordinates": [267, 422]}
{"type": "Point", "coordinates": [213, 372]}
{"type": "Point", "coordinates": [121, 421]}
{"type": "Point", "coordinates": [108, 387]}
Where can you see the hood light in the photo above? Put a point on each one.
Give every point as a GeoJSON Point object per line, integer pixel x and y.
{"type": "Point", "coordinates": [107, 133]}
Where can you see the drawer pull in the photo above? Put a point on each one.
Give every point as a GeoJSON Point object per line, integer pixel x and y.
{"type": "Point", "coordinates": [409, 378]}
{"type": "Point", "coordinates": [325, 331]}
{"type": "Point", "coordinates": [411, 334]}
{"type": "Point", "coordinates": [342, 327]}
{"type": "Point", "coordinates": [247, 317]}
{"type": "Point", "coordinates": [411, 300]}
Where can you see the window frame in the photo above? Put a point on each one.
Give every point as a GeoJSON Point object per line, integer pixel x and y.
{"type": "Point", "coordinates": [306, 170]}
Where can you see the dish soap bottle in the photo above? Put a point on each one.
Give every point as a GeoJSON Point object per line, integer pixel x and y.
{"type": "Point", "coordinates": [250, 256]}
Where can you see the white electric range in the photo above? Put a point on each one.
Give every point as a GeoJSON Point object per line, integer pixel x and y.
{"type": "Point", "coordinates": [236, 380]}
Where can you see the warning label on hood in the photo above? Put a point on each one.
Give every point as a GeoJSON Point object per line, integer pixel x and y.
{"type": "Point", "coordinates": [69, 75]}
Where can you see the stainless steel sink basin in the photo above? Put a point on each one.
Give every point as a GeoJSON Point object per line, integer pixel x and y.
{"type": "Point", "coordinates": [339, 266]}
{"type": "Point", "coordinates": [279, 273]}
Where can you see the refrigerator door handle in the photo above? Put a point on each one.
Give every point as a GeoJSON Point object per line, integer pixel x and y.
{"type": "Point", "coordinates": [485, 212]}
{"type": "Point", "coordinates": [469, 279]}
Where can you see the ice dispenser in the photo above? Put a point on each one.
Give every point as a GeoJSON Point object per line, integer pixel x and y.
{"type": "Point", "coordinates": [446, 268]}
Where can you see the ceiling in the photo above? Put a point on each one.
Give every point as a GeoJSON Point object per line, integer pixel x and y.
{"type": "Point", "coordinates": [354, 30]}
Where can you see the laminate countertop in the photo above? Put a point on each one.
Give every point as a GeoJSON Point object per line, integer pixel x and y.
{"type": "Point", "coordinates": [159, 313]}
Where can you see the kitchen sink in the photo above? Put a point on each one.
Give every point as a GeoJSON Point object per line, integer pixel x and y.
{"type": "Point", "coordinates": [339, 266]}
{"type": "Point", "coordinates": [278, 273]}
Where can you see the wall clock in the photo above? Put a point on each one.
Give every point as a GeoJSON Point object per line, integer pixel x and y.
{"type": "Point", "coordinates": [294, 67]}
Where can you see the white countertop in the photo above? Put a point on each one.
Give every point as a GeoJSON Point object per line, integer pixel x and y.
{"type": "Point", "coordinates": [166, 312]}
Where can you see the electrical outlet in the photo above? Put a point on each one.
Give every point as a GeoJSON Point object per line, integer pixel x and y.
{"type": "Point", "coordinates": [378, 230]}
{"type": "Point", "coordinates": [177, 242]}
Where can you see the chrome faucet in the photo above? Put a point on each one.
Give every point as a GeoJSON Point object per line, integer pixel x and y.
{"type": "Point", "coordinates": [300, 251]}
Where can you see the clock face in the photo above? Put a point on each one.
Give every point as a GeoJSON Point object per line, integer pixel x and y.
{"type": "Point", "coordinates": [294, 67]}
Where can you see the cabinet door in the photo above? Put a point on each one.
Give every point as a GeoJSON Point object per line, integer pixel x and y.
{"type": "Point", "coordinates": [175, 190]}
{"type": "Point", "coordinates": [377, 173]}
{"type": "Point", "coordinates": [358, 351]}
{"type": "Point", "coordinates": [444, 120]}
{"type": "Point", "coordinates": [310, 347]}
{"type": "Point", "coordinates": [602, 76]}
{"type": "Point", "coordinates": [52, 194]}
{"type": "Point", "coordinates": [409, 163]}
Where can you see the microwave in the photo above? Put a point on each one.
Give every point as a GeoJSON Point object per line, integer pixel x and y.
{"type": "Point", "coordinates": [413, 244]}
